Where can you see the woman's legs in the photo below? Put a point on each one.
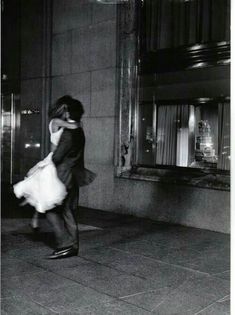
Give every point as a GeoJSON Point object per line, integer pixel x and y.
{"type": "Point", "coordinates": [34, 221]}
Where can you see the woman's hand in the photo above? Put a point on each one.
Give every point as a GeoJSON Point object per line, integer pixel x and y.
{"type": "Point", "coordinates": [74, 125]}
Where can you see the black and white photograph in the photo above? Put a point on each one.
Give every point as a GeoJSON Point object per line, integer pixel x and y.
{"type": "Point", "coordinates": [116, 157]}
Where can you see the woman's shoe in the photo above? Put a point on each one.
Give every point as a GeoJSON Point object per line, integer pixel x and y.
{"type": "Point", "coordinates": [35, 229]}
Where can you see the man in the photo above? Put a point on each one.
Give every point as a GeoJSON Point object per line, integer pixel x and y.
{"type": "Point", "coordinates": [69, 161]}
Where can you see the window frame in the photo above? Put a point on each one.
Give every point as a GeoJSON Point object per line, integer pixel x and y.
{"type": "Point", "coordinates": [128, 70]}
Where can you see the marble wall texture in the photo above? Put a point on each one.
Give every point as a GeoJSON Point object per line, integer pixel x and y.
{"type": "Point", "coordinates": [31, 80]}
{"type": "Point", "coordinates": [84, 65]}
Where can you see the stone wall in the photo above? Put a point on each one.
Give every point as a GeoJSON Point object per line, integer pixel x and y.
{"type": "Point", "coordinates": [31, 80]}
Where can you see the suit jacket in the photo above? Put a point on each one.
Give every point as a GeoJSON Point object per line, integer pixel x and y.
{"type": "Point", "coordinates": [69, 157]}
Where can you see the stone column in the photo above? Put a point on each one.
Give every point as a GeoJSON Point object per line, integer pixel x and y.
{"type": "Point", "coordinates": [127, 59]}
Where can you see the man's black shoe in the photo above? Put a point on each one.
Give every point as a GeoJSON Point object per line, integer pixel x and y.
{"type": "Point", "coordinates": [64, 253]}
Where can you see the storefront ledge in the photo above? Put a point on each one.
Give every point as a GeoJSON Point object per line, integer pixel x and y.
{"type": "Point", "coordinates": [195, 178]}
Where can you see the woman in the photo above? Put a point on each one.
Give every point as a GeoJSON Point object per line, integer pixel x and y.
{"type": "Point", "coordinates": [42, 187]}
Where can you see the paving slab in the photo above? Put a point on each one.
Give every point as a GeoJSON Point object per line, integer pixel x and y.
{"type": "Point", "coordinates": [125, 266]}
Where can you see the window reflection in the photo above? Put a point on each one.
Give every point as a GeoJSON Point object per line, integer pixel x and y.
{"type": "Point", "coordinates": [196, 136]}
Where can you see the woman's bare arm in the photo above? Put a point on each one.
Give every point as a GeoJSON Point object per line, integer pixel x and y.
{"type": "Point", "coordinates": [58, 123]}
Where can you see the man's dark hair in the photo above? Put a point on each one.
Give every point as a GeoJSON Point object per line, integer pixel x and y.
{"type": "Point", "coordinates": [66, 102]}
{"type": "Point", "coordinates": [75, 109]}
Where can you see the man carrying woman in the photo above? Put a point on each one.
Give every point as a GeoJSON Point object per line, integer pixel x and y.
{"type": "Point", "coordinates": [65, 166]}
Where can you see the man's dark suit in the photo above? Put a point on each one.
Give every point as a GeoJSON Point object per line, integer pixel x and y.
{"type": "Point", "coordinates": [69, 161]}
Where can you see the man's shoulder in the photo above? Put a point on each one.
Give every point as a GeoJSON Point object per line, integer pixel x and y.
{"type": "Point", "coordinates": [78, 132]}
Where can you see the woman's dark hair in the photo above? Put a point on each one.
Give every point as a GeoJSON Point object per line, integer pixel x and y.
{"type": "Point", "coordinates": [59, 107]}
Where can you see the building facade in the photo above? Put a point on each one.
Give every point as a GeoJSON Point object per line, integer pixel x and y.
{"type": "Point", "coordinates": [156, 98]}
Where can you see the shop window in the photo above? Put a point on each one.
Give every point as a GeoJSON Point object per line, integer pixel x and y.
{"type": "Point", "coordinates": [174, 92]}
{"type": "Point", "coordinates": [183, 113]}
{"type": "Point", "coordinates": [194, 135]}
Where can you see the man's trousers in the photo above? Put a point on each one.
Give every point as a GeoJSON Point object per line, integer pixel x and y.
{"type": "Point", "coordinates": [64, 220]}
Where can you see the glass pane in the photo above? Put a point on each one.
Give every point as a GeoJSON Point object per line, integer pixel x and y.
{"type": "Point", "coordinates": [174, 23]}
{"type": "Point", "coordinates": [145, 132]}
{"type": "Point", "coordinates": [6, 144]}
{"type": "Point", "coordinates": [174, 135]}
{"type": "Point", "coordinates": [31, 138]}
{"type": "Point", "coordinates": [10, 136]}
{"type": "Point", "coordinates": [206, 137]}
{"type": "Point", "coordinates": [166, 135]}
{"type": "Point", "coordinates": [196, 136]}
{"type": "Point", "coordinates": [224, 137]}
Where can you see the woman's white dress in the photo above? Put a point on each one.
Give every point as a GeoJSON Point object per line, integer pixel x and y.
{"type": "Point", "coordinates": [42, 188]}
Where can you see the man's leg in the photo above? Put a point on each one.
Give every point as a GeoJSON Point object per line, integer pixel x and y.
{"type": "Point", "coordinates": [65, 226]}
{"type": "Point", "coordinates": [54, 217]}
{"type": "Point", "coordinates": [70, 218]}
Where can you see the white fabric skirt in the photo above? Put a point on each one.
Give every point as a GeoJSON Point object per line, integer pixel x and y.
{"type": "Point", "coordinates": [42, 188]}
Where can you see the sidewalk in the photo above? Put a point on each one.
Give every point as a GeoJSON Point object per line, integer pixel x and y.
{"type": "Point", "coordinates": [125, 266]}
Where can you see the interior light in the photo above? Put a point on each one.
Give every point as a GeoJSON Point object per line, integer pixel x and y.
{"type": "Point", "coordinates": [111, 1]}
{"type": "Point", "coordinates": [195, 47]}
{"type": "Point", "coordinates": [199, 65]}
{"type": "Point", "coordinates": [224, 62]}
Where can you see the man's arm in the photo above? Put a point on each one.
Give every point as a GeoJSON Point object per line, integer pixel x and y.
{"type": "Point", "coordinates": [65, 144]}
